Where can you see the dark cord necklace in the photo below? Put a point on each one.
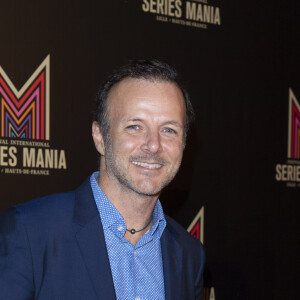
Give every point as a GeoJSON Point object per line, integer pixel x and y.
{"type": "Point", "coordinates": [133, 231]}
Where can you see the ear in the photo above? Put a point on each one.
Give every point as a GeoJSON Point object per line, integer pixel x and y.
{"type": "Point", "coordinates": [98, 138]}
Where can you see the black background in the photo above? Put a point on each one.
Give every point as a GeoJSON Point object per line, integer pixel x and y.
{"type": "Point", "coordinates": [238, 75]}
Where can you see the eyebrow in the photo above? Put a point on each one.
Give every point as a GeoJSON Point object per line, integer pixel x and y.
{"type": "Point", "coordinates": [134, 120]}
{"type": "Point", "coordinates": [174, 123]}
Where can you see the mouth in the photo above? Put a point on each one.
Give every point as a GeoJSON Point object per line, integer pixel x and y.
{"type": "Point", "coordinates": [152, 166]}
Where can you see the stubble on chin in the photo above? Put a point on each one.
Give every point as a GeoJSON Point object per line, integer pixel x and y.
{"type": "Point", "coordinates": [118, 169]}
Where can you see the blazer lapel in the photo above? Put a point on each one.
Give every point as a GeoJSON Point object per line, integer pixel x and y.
{"type": "Point", "coordinates": [172, 264]}
{"type": "Point", "coordinates": [90, 238]}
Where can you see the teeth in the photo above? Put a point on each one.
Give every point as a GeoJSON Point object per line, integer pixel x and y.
{"type": "Point", "coordinates": [145, 165]}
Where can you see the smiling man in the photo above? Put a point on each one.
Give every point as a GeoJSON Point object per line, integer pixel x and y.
{"type": "Point", "coordinates": [110, 239]}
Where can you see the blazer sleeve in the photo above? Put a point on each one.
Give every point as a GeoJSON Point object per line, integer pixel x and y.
{"type": "Point", "coordinates": [16, 275]}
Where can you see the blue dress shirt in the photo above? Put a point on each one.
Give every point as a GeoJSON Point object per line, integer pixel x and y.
{"type": "Point", "coordinates": [137, 271]}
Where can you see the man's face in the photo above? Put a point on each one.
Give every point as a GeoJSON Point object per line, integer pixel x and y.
{"type": "Point", "coordinates": [145, 144]}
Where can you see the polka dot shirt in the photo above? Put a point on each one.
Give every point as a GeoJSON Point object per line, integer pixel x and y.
{"type": "Point", "coordinates": [137, 271]}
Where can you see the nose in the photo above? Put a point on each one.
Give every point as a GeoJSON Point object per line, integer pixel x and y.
{"type": "Point", "coordinates": [152, 142]}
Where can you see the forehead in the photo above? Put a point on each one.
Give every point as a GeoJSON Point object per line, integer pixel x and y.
{"type": "Point", "coordinates": [158, 97]}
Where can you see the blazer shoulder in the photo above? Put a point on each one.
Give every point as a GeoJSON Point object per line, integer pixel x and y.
{"type": "Point", "coordinates": [49, 209]}
{"type": "Point", "coordinates": [183, 236]}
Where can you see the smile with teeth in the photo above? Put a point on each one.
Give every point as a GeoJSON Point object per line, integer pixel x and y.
{"type": "Point", "coordinates": [147, 165]}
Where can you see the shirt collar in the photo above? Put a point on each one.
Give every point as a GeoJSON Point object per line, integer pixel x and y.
{"type": "Point", "coordinates": [110, 215]}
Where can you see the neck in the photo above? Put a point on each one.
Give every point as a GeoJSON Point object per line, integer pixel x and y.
{"type": "Point", "coordinates": [136, 209]}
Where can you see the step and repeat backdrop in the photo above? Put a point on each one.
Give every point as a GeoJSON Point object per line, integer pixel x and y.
{"type": "Point", "coordinates": [238, 190]}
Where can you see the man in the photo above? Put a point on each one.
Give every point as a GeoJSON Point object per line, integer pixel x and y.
{"type": "Point", "coordinates": [110, 239]}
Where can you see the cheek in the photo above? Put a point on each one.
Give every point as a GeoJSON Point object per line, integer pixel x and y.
{"type": "Point", "coordinates": [174, 150]}
{"type": "Point", "coordinates": [125, 144]}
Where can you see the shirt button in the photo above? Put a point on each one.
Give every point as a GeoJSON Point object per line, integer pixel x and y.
{"type": "Point", "coordinates": [137, 298]}
{"type": "Point", "coordinates": [120, 227]}
{"type": "Point", "coordinates": [134, 252]}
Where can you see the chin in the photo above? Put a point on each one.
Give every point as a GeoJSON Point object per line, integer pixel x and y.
{"type": "Point", "coordinates": [148, 193]}
{"type": "Point", "coordinates": [148, 190]}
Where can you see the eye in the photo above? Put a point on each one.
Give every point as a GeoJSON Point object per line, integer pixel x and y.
{"type": "Point", "coordinates": [133, 127]}
{"type": "Point", "coordinates": [169, 130]}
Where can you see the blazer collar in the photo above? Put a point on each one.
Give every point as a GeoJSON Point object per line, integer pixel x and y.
{"type": "Point", "coordinates": [85, 207]}
{"type": "Point", "coordinates": [91, 241]}
{"type": "Point", "coordinates": [172, 263]}
{"type": "Point", "coordinates": [90, 237]}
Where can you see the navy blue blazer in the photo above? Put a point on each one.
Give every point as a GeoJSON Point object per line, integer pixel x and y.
{"type": "Point", "coordinates": [53, 248]}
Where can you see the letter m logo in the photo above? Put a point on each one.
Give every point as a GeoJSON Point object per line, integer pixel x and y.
{"type": "Point", "coordinates": [196, 228]}
{"type": "Point", "coordinates": [294, 127]}
{"type": "Point", "coordinates": [26, 113]}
